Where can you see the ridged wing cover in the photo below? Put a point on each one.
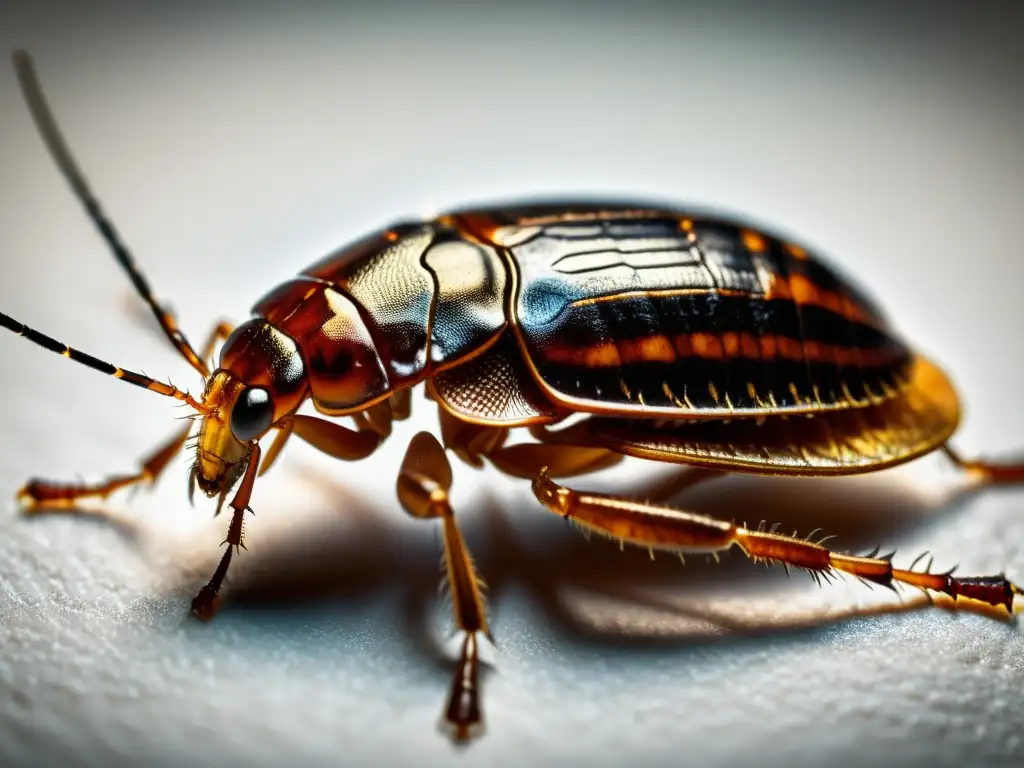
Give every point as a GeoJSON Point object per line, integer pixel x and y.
{"type": "Point", "coordinates": [915, 422]}
{"type": "Point", "coordinates": [652, 312]}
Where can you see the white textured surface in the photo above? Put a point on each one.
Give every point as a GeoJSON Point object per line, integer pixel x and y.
{"type": "Point", "coordinates": [233, 148]}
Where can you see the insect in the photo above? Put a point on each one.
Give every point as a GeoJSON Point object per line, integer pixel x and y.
{"type": "Point", "coordinates": [604, 330]}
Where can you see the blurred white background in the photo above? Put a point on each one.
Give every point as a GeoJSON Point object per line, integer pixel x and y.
{"type": "Point", "coordinates": [234, 146]}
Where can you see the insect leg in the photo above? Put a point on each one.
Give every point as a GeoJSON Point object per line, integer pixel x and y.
{"type": "Point", "coordinates": [526, 459]}
{"type": "Point", "coordinates": [988, 471]}
{"type": "Point", "coordinates": [566, 453]}
{"type": "Point", "coordinates": [558, 445]}
{"type": "Point", "coordinates": [336, 440]}
{"type": "Point", "coordinates": [206, 603]}
{"type": "Point", "coordinates": [658, 527]}
{"type": "Point", "coordinates": [470, 442]}
{"type": "Point", "coordinates": [401, 404]}
{"type": "Point", "coordinates": [38, 495]}
{"type": "Point", "coordinates": [333, 439]}
{"type": "Point", "coordinates": [474, 442]}
{"type": "Point", "coordinates": [44, 495]}
{"type": "Point", "coordinates": [217, 335]}
{"type": "Point", "coordinates": [423, 484]}
{"type": "Point", "coordinates": [284, 432]}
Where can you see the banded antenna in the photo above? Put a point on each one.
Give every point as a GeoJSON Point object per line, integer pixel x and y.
{"type": "Point", "coordinates": [58, 149]}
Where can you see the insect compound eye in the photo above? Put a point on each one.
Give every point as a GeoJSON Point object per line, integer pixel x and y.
{"type": "Point", "coordinates": [252, 414]}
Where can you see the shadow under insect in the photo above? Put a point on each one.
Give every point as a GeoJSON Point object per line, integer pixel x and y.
{"type": "Point", "coordinates": [566, 576]}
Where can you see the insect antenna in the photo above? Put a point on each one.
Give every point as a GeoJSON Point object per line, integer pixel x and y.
{"type": "Point", "coordinates": [139, 380]}
{"type": "Point", "coordinates": [61, 154]}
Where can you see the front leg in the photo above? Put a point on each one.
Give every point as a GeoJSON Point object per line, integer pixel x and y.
{"type": "Point", "coordinates": [333, 439]}
{"type": "Point", "coordinates": [206, 603]}
{"type": "Point", "coordinates": [423, 484]}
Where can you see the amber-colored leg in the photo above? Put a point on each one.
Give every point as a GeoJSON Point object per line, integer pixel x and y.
{"type": "Point", "coordinates": [987, 471]}
{"type": "Point", "coordinates": [470, 442]}
{"type": "Point", "coordinates": [562, 453]}
{"type": "Point", "coordinates": [284, 432]}
{"type": "Point", "coordinates": [423, 484]}
{"type": "Point", "coordinates": [333, 439]}
{"type": "Point", "coordinates": [44, 495]}
{"type": "Point", "coordinates": [327, 436]}
{"type": "Point", "coordinates": [372, 428]}
{"type": "Point", "coordinates": [401, 404]}
{"type": "Point", "coordinates": [206, 603]}
{"type": "Point", "coordinates": [527, 459]}
{"type": "Point", "coordinates": [217, 335]}
{"type": "Point", "coordinates": [565, 453]}
{"type": "Point", "coordinates": [657, 527]}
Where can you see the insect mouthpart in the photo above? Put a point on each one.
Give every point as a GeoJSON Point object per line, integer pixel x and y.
{"type": "Point", "coordinates": [220, 458]}
{"type": "Point", "coordinates": [218, 482]}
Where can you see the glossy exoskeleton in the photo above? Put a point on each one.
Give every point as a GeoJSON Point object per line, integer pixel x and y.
{"type": "Point", "coordinates": [668, 335]}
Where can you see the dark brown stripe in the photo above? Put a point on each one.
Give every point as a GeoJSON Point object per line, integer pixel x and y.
{"type": "Point", "coordinates": [699, 383]}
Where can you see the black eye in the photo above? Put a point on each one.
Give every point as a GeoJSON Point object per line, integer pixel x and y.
{"type": "Point", "coordinates": [253, 414]}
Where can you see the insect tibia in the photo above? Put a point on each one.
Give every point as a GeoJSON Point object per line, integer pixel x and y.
{"type": "Point", "coordinates": [236, 531]}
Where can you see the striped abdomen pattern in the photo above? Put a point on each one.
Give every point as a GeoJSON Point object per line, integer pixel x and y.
{"type": "Point", "coordinates": [669, 311]}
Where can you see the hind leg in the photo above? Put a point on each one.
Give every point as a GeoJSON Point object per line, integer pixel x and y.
{"type": "Point", "coordinates": [660, 527]}
{"type": "Point", "coordinates": [988, 471]}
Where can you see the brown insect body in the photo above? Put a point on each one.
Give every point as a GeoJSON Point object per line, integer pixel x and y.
{"type": "Point", "coordinates": [667, 335]}
{"type": "Point", "coordinates": [719, 321]}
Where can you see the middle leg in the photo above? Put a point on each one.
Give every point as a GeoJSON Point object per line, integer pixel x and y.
{"type": "Point", "coordinates": [423, 485]}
